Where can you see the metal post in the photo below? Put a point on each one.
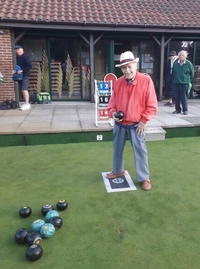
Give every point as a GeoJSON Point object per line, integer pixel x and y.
{"type": "Point", "coordinates": [162, 48]}
{"type": "Point", "coordinates": [111, 67]}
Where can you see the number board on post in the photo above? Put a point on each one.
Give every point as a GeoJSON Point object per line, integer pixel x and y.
{"type": "Point", "coordinates": [103, 92]}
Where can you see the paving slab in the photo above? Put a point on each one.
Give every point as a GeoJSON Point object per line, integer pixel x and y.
{"type": "Point", "coordinates": [57, 127]}
{"type": "Point", "coordinates": [41, 118]}
{"type": "Point", "coordinates": [156, 122]}
{"type": "Point", "coordinates": [154, 134]}
{"type": "Point", "coordinates": [41, 111]}
{"type": "Point", "coordinates": [89, 126]}
{"type": "Point", "coordinates": [9, 127]}
{"type": "Point", "coordinates": [65, 110]}
{"type": "Point", "coordinates": [34, 127]}
{"type": "Point", "coordinates": [65, 117]}
{"type": "Point", "coordinates": [194, 120]}
{"type": "Point", "coordinates": [175, 122]}
{"type": "Point", "coordinates": [80, 117]}
{"type": "Point", "coordinates": [12, 119]}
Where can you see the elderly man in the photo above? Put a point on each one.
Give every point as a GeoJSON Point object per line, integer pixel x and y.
{"type": "Point", "coordinates": [183, 73]}
{"type": "Point", "coordinates": [134, 95]}
{"type": "Point", "coordinates": [24, 63]}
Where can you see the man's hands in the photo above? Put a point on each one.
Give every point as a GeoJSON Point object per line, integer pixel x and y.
{"type": "Point", "coordinates": [19, 72]}
{"type": "Point", "coordinates": [140, 128]}
{"type": "Point", "coordinates": [116, 119]}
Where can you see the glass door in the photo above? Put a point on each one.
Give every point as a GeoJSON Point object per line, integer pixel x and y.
{"type": "Point", "coordinates": [147, 58]}
{"type": "Point", "coordinates": [69, 69]}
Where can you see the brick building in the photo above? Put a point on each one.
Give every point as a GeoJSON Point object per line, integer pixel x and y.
{"type": "Point", "coordinates": [71, 43]}
{"type": "Point", "coordinates": [6, 65]}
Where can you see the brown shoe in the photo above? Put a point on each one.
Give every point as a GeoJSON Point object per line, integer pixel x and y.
{"type": "Point", "coordinates": [113, 175]}
{"type": "Point", "coordinates": [146, 185]}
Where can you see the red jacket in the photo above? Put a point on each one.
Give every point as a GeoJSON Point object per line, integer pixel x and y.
{"type": "Point", "coordinates": [138, 101]}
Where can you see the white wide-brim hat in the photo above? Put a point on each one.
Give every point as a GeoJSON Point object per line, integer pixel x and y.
{"type": "Point", "coordinates": [127, 58]}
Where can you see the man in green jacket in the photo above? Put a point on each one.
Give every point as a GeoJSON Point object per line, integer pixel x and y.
{"type": "Point", "coordinates": [183, 73]}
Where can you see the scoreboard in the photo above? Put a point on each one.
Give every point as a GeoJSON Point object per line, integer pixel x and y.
{"type": "Point", "coordinates": [103, 92]}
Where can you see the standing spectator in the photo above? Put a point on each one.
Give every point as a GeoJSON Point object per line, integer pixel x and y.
{"type": "Point", "coordinates": [169, 81]}
{"type": "Point", "coordinates": [183, 72]}
{"type": "Point", "coordinates": [24, 63]}
{"type": "Point", "coordinates": [134, 95]}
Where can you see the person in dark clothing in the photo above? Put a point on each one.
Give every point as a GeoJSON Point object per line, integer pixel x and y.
{"type": "Point", "coordinates": [169, 81]}
{"type": "Point", "coordinates": [24, 63]}
{"type": "Point", "coordinates": [183, 72]}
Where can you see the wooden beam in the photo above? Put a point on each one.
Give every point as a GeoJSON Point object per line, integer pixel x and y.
{"type": "Point", "coordinates": [20, 36]}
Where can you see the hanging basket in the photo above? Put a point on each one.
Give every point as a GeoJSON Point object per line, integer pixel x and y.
{"type": "Point", "coordinates": [1, 78]}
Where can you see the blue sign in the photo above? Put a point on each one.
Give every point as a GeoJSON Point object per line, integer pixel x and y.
{"type": "Point", "coordinates": [103, 87]}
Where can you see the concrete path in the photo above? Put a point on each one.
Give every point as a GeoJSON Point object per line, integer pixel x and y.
{"type": "Point", "coordinates": [60, 117]}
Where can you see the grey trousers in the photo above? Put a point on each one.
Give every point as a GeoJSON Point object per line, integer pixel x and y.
{"type": "Point", "coordinates": [139, 150]}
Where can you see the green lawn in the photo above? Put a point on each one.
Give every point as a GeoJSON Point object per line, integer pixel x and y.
{"type": "Point", "coordinates": [127, 230]}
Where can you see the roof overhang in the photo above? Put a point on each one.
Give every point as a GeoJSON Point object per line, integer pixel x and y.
{"type": "Point", "coordinates": [99, 27]}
